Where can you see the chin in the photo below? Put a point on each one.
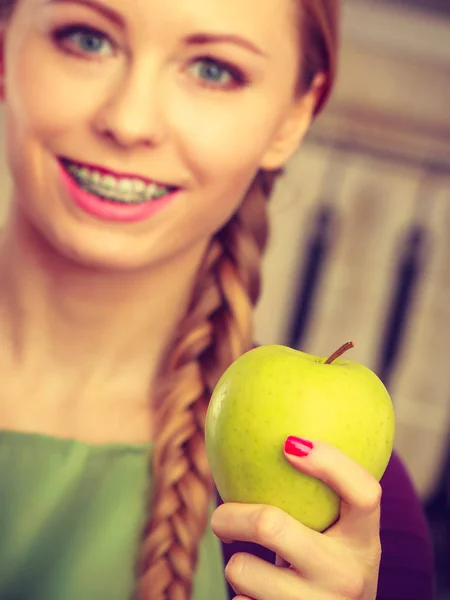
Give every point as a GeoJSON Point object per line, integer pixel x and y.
{"type": "Point", "coordinates": [105, 253]}
{"type": "Point", "coordinates": [100, 259]}
{"type": "Point", "coordinates": [90, 247]}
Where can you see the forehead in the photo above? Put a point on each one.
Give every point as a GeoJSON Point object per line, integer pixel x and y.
{"type": "Point", "coordinates": [251, 17]}
{"type": "Point", "coordinates": [232, 11]}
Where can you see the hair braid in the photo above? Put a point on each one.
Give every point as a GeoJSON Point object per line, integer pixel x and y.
{"type": "Point", "coordinates": [216, 330]}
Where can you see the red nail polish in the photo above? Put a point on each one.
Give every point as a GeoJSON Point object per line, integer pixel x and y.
{"type": "Point", "coordinates": [297, 446]}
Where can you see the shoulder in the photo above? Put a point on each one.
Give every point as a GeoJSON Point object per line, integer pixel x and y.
{"type": "Point", "coordinates": [407, 563]}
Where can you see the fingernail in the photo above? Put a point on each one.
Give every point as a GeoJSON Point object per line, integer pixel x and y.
{"type": "Point", "coordinates": [296, 446]}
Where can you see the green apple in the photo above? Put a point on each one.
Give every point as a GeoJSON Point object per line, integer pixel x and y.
{"type": "Point", "coordinates": [272, 392]}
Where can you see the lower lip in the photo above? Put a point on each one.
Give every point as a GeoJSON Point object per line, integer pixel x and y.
{"type": "Point", "coordinates": [111, 211]}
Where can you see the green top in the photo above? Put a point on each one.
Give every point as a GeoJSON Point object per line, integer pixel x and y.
{"type": "Point", "coordinates": [71, 516]}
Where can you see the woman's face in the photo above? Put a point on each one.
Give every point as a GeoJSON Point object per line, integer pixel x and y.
{"type": "Point", "coordinates": [133, 129]}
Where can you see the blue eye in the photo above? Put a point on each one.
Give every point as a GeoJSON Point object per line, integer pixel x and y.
{"type": "Point", "coordinates": [214, 73]}
{"type": "Point", "coordinates": [80, 39]}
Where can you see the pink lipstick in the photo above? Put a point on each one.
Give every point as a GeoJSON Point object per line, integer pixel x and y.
{"type": "Point", "coordinates": [111, 210]}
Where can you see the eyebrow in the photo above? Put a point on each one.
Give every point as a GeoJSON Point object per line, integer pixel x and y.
{"type": "Point", "coordinates": [195, 39]}
{"type": "Point", "coordinates": [106, 11]}
{"type": "Point", "coordinates": [210, 38]}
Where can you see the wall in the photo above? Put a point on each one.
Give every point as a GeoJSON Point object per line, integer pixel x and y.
{"type": "Point", "coordinates": [361, 224]}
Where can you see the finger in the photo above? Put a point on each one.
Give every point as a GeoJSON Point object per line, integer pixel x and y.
{"type": "Point", "coordinates": [253, 577]}
{"type": "Point", "coordinates": [309, 552]}
{"type": "Point", "coordinates": [359, 491]}
{"type": "Point", "coordinates": [224, 541]}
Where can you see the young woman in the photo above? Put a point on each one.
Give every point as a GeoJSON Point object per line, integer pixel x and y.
{"type": "Point", "coordinates": [143, 140]}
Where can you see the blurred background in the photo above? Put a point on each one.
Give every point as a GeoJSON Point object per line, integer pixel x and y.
{"type": "Point", "coordinates": [360, 245]}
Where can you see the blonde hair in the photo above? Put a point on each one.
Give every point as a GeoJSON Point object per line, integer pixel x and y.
{"type": "Point", "coordinates": [216, 330]}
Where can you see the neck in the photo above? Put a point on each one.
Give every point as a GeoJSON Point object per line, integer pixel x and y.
{"type": "Point", "coordinates": [86, 324]}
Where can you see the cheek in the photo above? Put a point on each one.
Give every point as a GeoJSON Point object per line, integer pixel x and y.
{"type": "Point", "coordinates": [221, 137]}
{"type": "Point", "coordinates": [223, 144]}
{"type": "Point", "coordinates": [43, 95]}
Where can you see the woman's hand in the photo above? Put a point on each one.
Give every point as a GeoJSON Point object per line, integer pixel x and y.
{"type": "Point", "coordinates": [339, 564]}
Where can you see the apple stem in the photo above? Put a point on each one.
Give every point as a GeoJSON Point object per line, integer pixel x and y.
{"type": "Point", "coordinates": [339, 352]}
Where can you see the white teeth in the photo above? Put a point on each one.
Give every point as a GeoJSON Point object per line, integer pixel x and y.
{"type": "Point", "coordinates": [126, 185]}
{"type": "Point", "coordinates": [107, 193]}
{"type": "Point", "coordinates": [121, 189]}
{"type": "Point", "coordinates": [109, 181]}
{"type": "Point", "coordinates": [152, 190]}
{"type": "Point", "coordinates": [138, 186]}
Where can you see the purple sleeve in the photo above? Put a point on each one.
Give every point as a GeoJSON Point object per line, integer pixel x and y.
{"type": "Point", "coordinates": [406, 570]}
{"type": "Point", "coordinates": [407, 563]}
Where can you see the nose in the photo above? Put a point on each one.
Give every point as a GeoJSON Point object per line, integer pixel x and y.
{"type": "Point", "coordinates": [132, 115]}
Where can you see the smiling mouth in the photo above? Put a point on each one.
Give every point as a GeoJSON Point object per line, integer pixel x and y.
{"type": "Point", "coordinates": [112, 188]}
